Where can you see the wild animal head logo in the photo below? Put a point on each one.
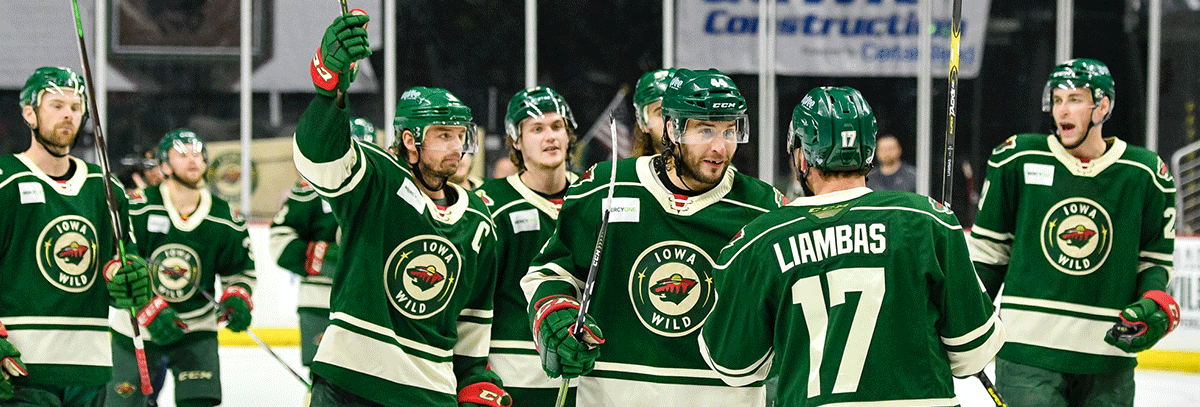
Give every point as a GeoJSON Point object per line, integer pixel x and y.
{"type": "Point", "coordinates": [673, 289]}
{"type": "Point", "coordinates": [425, 276]}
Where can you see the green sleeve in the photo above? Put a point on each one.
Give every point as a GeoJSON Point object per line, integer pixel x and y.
{"type": "Point", "coordinates": [323, 132]}
{"type": "Point", "coordinates": [738, 335]}
{"type": "Point", "coordinates": [1157, 245]}
{"type": "Point", "coordinates": [290, 235]}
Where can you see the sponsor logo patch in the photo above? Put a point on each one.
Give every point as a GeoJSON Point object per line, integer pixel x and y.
{"type": "Point", "coordinates": [525, 221]}
{"type": "Point", "coordinates": [1039, 174]}
{"type": "Point", "coordinates": [32, 192]}
{"type": "Point", "coordinates": [623, 209]}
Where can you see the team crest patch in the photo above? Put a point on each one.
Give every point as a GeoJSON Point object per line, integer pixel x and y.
{"type": "Point", "coordinates": [66, 253]}
{"type": "Point", "coordinates": [174, 272]}
{"type": "Point", "coordinates": [1077, 236]}
{"type": "Point", "coordinates": [487, 200]}
{"type": "Point", "coordinates": [421, 275]}
{"type": "Point", "coordinates": [671, 288]}
{"type": "Point", "coordinates": [124, 389]}
{"type": "Point", "coordinates": [1163, 171]}
{"type": "Point", "coordinates": [1009, 144]}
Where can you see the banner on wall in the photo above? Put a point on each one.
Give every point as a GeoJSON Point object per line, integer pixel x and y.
{"type": "Point", "coordinates": [827, 37]}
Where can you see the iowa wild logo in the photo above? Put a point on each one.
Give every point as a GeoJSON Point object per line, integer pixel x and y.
{"type": "Point", "coordinates": [421, 274]}
{"type": "Point", "coordinates": [671, 288]}
{"type": "Point", "coordinates": [66, 253]}
{"type": "Point", "coordinates": [1077, 236]}
{"type": "Point", "coordinates": [174, 272]}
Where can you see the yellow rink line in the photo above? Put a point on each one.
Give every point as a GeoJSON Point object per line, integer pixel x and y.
{"type": "Point", "coordinates": [1178, 361]}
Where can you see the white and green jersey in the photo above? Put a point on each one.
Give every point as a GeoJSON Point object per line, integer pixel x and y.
{"type": "Point", "coordinates": [305, 218]}
{"type": "Point", "coordinates": [411, 308]}
{"type": "Point", "coordinates": [654, 284]}
{"type": "Point", "coordinates": [852, 297]}
{"type": "Point", "coordinates": [1074, 243]}
{"type": "Point", "coordinates": [524, 221]}
{"type": "Point", "coordinates": [55, 238]}
{"type": "Point", "coordinates": [188, 254]}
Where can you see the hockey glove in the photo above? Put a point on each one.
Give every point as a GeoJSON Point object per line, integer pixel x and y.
{"type": "Point", "coordinates": [345, 42]}
{"type": "Point", "coordinates": [321, 258]}
{"type": "Point", "coordinates": [129, 283]}
{"type": "Point", "coordinates": [562, 354]}
{"type": "Point", "coordinates": [10, 365]}
{"type": "Point", "coordinates": [235, 308]}
{"type": "Point", "coordinates": [1144, 322]}
{"type": "Point", "coordinates": [162, 322]}
{"type": "Point", "coordinates": [483, 390]}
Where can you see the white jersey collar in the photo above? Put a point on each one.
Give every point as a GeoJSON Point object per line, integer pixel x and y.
{"type": "Point", "coordinates": [536, 199]}
{"type": "Point", "coordinates": [679, 204]}
{"type": "Point", "coordinates": [1090, 168]}
{"type": "Point", "coordinates": [452, 213]}
{"type": "Point", "coordinates": [193, 220]}
{"type": "Point", "coordinates": [69, 188]}
{"type": "Point", "coordinates": [832, 197]}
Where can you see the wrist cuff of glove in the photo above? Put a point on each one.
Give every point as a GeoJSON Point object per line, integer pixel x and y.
{"type": "Point", "coordinates": [322, 77]}
{"type": "Point", "coordinates": [110, 269]}
{"type": "Point", "coordinates": [3, 331]}
{"type": "Point", "coordinates": [238, 291]}
{"type": "Point", "coordinates": [314, 258]}
{"type": "Point", "coordinates": [1167, 304]}
{"type": "Point", "coordinates": [151, 310]}
{"type": "Point", "coordinates": [484, 393]}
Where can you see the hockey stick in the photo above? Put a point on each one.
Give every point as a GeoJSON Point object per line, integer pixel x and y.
{"type": "Point", "coordinates": [585, 300]}
{"type": "Point", "coordinates": [344, 11]}
{"type": "Point", "coordinates": [113, 212]}
{"type": "Point", "coordinates": [261, 344]}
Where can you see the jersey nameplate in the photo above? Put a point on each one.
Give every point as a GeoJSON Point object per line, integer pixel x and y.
{"type": "Point", "coordinates": [624, 210]}
{"type": "Point", "coordinates": [158, 224]}
{"type": "Point", "coordinates": [409, 192]}
{"type": "Point", "coordinates": [525, 221]}
{"type": "Point", "coordinates": [32, 192]}
{"type": "Point", "coordinates": [1039, 174]}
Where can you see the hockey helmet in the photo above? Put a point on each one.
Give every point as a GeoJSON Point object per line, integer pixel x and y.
{"type": "Point", "coordinates": [835, 129]}
{"type": "Point", "coordinates": [1081, 73]}
{"type": "Point", "coordinates": [421, 107]}
{"type": "Point", "coordinates": [535, 102]}
{"type": "Point", "coordinates": [703, 95]}
{"type": "Point", "coordinates": [178, 139]}
{"type": "Point", "coordinates": [650, 88]}
{"type": "Point", "coordinates": [54, 80]}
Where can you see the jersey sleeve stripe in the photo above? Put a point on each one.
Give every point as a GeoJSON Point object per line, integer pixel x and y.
{"type": "Point", "coordinates": [990, 234]}
{"type": "Point", "coordinates": [1145, 265]}
{"type": "Point", "coordinates": [547, 273]}
{"type": "Point", "coordinates": [387, 333]}
{"type": "Point", "coordinates": [509, 344]}
{"type": "Point", "coordinates": [1052, 331]}
{"type": "Point", "coordinates": [1156, 256]}
{"type": "Point", "coordinates": [332, 178]}
{"type": "Point", "coordinates": [988, 252]}
{"type": "Point", "coordinates": [757, 371]}
{"type": "Point", "coordinates": [1059, 305]}
{"type": "Point", "coordinates": [1153, 176]}
{"type": "Point", "coordinates": [477, 313]}
{"type": "Point", "coordinates": [280, 237]}
{"type": "Point", "coordinates": [973, 361]}
{"type": "Point", "coordinates": [975, 333]}
{"type": "Point", "coordinates": [473, 339]}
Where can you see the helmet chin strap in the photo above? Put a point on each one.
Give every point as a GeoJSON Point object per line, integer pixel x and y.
{"type": "Point", "coordinates": [1086, 131]}
{"type": "Point", "coordinates": [803, 178]}
{"type": "Point", "coordinates": [416, 168]}
{"type": "Point", "coordinates": [37, 135]}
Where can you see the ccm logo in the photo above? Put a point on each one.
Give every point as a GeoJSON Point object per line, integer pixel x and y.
{"type": "Point", "coordinates": [720, 105]}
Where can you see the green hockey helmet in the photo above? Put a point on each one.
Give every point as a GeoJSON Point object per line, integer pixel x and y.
{"type": "Point", "coordinates": [535, 102]}
{"type": "Point", "coordinates": [362, 130]}
{"type": "Point", "coordinates": [54, 80]}
{"type": "Point", "coordinates": [178, 139]}
{"type": "Point", "coordinates": [1081, 73]}
{"type": "Point", "coordinates": [650, 88]}
{"type": "Point", "coordinates": [421, 107]}
{"type": "Point", "coordinates": [835, 129]}
{"type": "Point", "coordinates": [704, 95]}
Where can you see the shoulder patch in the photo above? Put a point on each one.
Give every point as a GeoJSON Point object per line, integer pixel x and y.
{"type": "Point", "coordinates": [487, 200]}
{"type": "Point", "coordinates": [137, 197]}
{"type": "Point", "coordinates": [1009, 144]}
{"type": "Point", "coordinates": [939, 207]}
{"type": "Point", "coordinates": [235, 215]}
{"type": "Point", "coordinates": [1163, 171]}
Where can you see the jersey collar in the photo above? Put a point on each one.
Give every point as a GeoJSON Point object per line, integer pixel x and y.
{"type": "Point", "coordinates": [678, 204]}
{"type": "Point", "coordinates": [195, 218]}
{"type": "Point", "coordinates": [69, 188]}
{"type": "Point", "coordinates": [534, 198]}
{"type": "Point", "coordinates": [1091, 168]}
{"type": "Point", "coordinates": [832, 197]}
{"type": "Point", "coordinates": [453, 212]}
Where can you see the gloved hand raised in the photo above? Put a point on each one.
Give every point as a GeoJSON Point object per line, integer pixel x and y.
{"type": "Point", "coordinates": [345, 42]}
{"type": "Point", "coordinates": [562, 354]}
{"type": "Point", "coordinates": [1144, 322]}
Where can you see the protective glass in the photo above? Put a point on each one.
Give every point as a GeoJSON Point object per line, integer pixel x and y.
{"type": "Point", "coordinates": [449, 136]}
{"type": "Point", "coordinates": [733, 129]}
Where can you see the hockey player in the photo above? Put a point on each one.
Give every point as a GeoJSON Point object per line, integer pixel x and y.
{"type": "Point", "coordinates": [851, 295]}
{"type": "Point", "coordinates": [190, 238]}
{"type": "Point", "coordinates": [56, 233]}
{"type": "Point", "coordinates": [1080, 230]}
{"type": "Point", "coordinates": [671, 214]}
{"type": "Point", "coordinates": [421, 337]}
{"type": "Point", "coordinates": [304, 240]}
{"type": "Point", "coordinates": [524, 206]}
{"type": "Point", "coordinates": [647, 108]}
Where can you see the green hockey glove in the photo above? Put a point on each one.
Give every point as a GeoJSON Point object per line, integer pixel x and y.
{"type": "Point", "coordinates": [321, 258]}
{"type": "Point", "coordinates": [129, 283]}
{"type": "Point", "coordinates": [344, 43]}
{"type": "Point", "coordinates": [162, 322]}
{"type": "Point", "coordinates": [1145, 322]}
{"type": "Point", "coordinates": [483, 390]}
{"type": "Point", "coordinates": [561, 352]}
{"type": "Point", "coordinates": [10, 365]}
{"type": "Point", "coordinates": [235, 308]}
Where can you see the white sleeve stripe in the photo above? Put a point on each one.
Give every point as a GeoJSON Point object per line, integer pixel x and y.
{"type": "Point", "coordinates": [975, 333]}
{"type": "Point", "coordinates": [988, 233]}
{"type": "Point", "coordinates": [737, 377]}
{"type": "Point", "coordinates": [1156, 256]}
{"type": "Point", "coordinates": [1153, 176]}
{"type": "Point", "coordinates": [473, 339]}
{"type": "Point", "coordinates": [1059, 305]}
{"type": "Point", "coordinates": [974, 360]}
{"type": "Point", "coordinates": [327, 178]}
{"type": "Point", "coordinates": [988, 252]}
{"type": "Point", "coordinates": [535, 277]}
{"type": "Point", "coordinates": [1143, 266]}
{"type": "Point", "coordinates": [379, 330]}
{"type": "Point", "coordinates": [477, 313]}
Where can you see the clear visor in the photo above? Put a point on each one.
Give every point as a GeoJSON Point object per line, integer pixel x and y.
{"type": "Point", "coordinates": [449, 136]}
{"type": "Point", "coordinates": [732, 129]}
{"type": "Point", "coordinates": [1048, 93]}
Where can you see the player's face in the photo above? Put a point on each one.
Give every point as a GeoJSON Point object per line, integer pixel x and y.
{"type": "Point", "coordinates": [654, 123]}
{"type": "Point", "coordinates": [442, 150]}
{"type": "Point", "coordinates": [887, 151]}
{"type": "Point", "coordinates": [543, 142]}
{"type": "Point", "coordinates": [707, 153]}
{"type": "Point", "coordinates": [57, 118]}
{"type": "Point", "coordinates": [188, 166]}
{"type": "Point", "coordinates": [1073, 112]}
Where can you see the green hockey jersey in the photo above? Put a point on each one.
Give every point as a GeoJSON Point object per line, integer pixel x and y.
{"type": "Point", "coordinates": [411, 308]}
{"type": "Point", "coordinates": [305, 218]}
{"type": "Point", "coordinates": [524, 221]}
{"type": "Point", "coordinates": [852, 297]}
{"type": "Point", "coordinates": [188, 254]}
{"type": "Point", "coordinates": [654, 284]}
{"type": "Point", "coordinates": [55, 238]}
{"type": "Point", "coordinates": [1071, 240]}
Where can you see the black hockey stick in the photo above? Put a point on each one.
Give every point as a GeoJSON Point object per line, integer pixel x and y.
{"type": "Point", "coordinates": [113, 209]}
{"type": "Point", "coordinates": [585, 299]}
{"type": "Point", "coordinates": [344, 11]}
{"type": "Point", "coordinates": [261, 344]}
